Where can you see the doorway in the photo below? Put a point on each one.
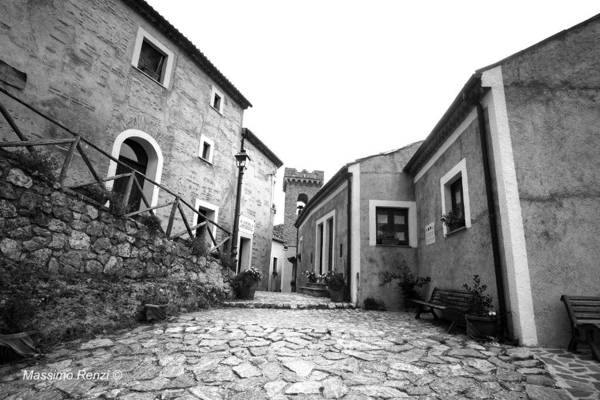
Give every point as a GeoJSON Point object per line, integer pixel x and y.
{"type": "Point", "coordinates": [244, 253]}
{"type": "Point", "coordinates": [134, 156]}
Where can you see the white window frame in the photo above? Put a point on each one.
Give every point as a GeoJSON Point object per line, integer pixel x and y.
{"type": "Point", "coordinates": [458, 171]}
{"type": "Point", "coordinates": [213, 92]}
{"type": "Point", "coordinates": [412, 220]}
{"type": "Point", "coordinates": [323, 220]}
{"type": "Point", "coordinates": [141, 35]}
{"type": "Point", "coordinates": [209, 206]}
{"type": "Point", "coordinates": [204, 139]}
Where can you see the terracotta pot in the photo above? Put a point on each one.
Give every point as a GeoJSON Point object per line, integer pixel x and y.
{"type": "Point", "coordinates": [337, 296]}
{"type": "Point", "coordinates": [481, 327]}
{"type": "Point", "coordinates": [246, 292]}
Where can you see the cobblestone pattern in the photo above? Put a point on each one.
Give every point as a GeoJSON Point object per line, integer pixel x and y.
{"type": "Point", "coordinates": [578, 373]}
{"type": "Point", "coordinates": [288, 301]}
{"type": "Point", "coordinates": [283, 354]}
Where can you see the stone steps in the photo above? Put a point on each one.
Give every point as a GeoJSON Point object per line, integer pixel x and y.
{"type": "Point", "coordinates": [315, 290]}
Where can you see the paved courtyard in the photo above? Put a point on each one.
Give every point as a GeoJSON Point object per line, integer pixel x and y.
{"type": "Point", "coordinates": [237, 353]}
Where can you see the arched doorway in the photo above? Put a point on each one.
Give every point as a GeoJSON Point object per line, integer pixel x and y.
{"type": "Point", "coordinates": [133, 155]}
{"type": "Point", "coordinates": [141, 152]}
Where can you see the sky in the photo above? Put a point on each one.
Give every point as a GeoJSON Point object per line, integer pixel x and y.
{"type": "Point", "coordinates": [334, 80]}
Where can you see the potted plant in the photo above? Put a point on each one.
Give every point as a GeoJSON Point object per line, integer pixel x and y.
{"type": "Point", "coordinates": [452, 221]}
{"type": "Point", "coordinates": [480, 318]}
{"type": "Point", "coordinates": [335, 283]}
{"type": "Point", "coordinates": [310, 276]}
{"type": "Point", "coordinates": [245, 283]}
{"type": "Point", "coordinates": [409, 283]}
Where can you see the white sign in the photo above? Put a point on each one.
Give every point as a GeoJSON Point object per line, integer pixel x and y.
{"type": "Point", "coordinates": [430, 233]}
{"type": "Point", "coordinates": [246, 224]}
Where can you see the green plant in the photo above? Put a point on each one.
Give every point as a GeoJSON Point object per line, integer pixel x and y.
{"type": "Point", "coordinates": [481, 303]}
{"type": "Point", "coordinates": [155, 295]}
{"type": "Point", "coordinates": [310, 275]}
{"type": "Point", "coordinates": [375, 305]}
{"type": "Point", "coordinates": [408, 282]}
{"type": "Point", "coordinates": [253, 274]}
{"type": "Point", "coordinates": [452, 221]}
{"type": "Point", "coordinates": [116, 206]}
{"type": "Point", "coordinates": [96, 192]}
{"type": "Point", "coordinates": [227, 261]}
{"type": "Point", "coordinates": [41, 164]}
{"type": "Point", "coordinates": [152, 222]}
{"type": "Point", "coordinates": [334, 280]}
{"type": "Point", "coordinates": [199, 246]}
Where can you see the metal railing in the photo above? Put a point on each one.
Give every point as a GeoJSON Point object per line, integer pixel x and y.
{"type": "Point", "coordinates": [177, 204]}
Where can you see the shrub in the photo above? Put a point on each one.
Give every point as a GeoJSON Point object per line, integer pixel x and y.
{"type": "Point", "coordinates": [481, 303]}
{"type": "Point", "coordinates": [375, 305]}
{"type": "Point", "coordinates": [42, 164]}
{"type": "Point", "coordinates": [310, 275]}
{"type": "Point", "coordinates": [409, 283]}
{"type": "Point", "coordinates": [96, 192]}
{"type": "Point", "coordinates": [334, 280]}
{"type": "Point", "coordinates": [227, 260]}
{"type": "Point", "coordinates": [152, 222]}
{"type": "Point", "coordinates": [200, 247]}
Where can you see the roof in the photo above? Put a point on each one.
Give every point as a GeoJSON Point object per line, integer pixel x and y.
{"type": "Point", "coordinates": [465, 100]}
{"type": "Point", "coordinates": [165, 27]}
{"type": "Point", "coordinates": [337, 180]}
{"type": "Point", "coordinates": [278, 233]}
{"type": "Point", "coordinates": [252, 138]}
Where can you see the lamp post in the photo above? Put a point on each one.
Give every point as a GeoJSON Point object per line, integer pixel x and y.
{"type": "Point", "coordinates": [240, 161]}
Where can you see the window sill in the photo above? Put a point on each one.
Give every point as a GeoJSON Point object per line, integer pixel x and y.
{"type": "Point", "coordinates": [149, 77]}
{"type": "Point", "coordinates": [217, 110]}
{"type": "Point", "coordinates": [455, 231]}
{"type": "Point", "coordinates": [206, 161]}
{"type": "Point", "coordinates": [402, 246]}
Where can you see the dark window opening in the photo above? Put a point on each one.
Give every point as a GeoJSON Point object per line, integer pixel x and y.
{"type": "Point", "coordinates": [217, 102]}
{"type": "Point", "coordinates": [392, 226]}
{"type": "Point", "coordinates": [457, 204]}
{"type": "Point", "coordinates": [135, 157]}
{"type": "Point", "coordinates": [341, 250]}
{"type": "Point", "coordinates": [152, 61]}
{"type": "Point", "coordinates": [329, 244]}
{"type": "Point", "coordinates": [206, 151]}
{"type": "Point", "coordinates": [321, 239]}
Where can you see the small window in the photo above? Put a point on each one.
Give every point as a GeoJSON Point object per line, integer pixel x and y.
{"type": "Point", "coordinates": [392, 226]}
{"type": "Point", "coordinates": [456, 213]}
{"type": "Point", "coordinates": [152, 61]}
{"type": "Point", "coordinates": [206, 149]}
{"type": "Point", "coordinates": [152, 58]}
{"type": "Point", "coordinates": [216, 100]}
{"type": "Point", "coordinates": [457, 204]}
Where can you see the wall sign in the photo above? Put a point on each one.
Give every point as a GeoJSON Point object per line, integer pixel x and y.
{"type": "Point", "coordinates": [430, 233]}
{"type": "Point", "coordinates": [246, 224]}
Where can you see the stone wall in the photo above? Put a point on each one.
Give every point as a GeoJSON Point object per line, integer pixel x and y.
{"type": "Point", "coordinates": [86, 269]}
{"type": "Point", "coordinates": [552, 95]}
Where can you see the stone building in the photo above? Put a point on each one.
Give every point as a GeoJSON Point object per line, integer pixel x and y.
{"type": "Point", "coordinates": [119, 74]}
{"type": "Point", "coordinates": [280, 272]}
{"type": "Point", "coordinates": [299, 187]}
{"type": "Point", "coordinates": [515, 160]}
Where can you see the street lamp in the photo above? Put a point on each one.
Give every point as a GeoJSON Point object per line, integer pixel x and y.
{"type": "Point", "coordinates": [241, 159]}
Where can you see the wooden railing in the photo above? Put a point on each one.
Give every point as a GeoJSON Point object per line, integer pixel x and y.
{"type": "Point", "coordinates": [177, 203]}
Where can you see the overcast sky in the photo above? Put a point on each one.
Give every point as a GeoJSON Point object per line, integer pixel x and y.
{"type": "Point", "coordinates": [334, 80]}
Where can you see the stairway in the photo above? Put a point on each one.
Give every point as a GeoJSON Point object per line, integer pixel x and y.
{"type": "Point", "coordinates": [315, 290]}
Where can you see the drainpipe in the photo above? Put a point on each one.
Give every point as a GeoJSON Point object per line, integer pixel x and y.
{"type": "Point", "coordinates": [491, 205]}
{"type": "Point", "coordinates": [349, 239]}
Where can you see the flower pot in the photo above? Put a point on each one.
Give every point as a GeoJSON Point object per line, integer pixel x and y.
{"type": "Point", "coordinates": [246, 292]}
{"type": "Point", "coordinates": [155, 312]}
{"type": "Point", "coordinates": [481, 327]}
{"type": "Point", "coordinates": [337, 296]}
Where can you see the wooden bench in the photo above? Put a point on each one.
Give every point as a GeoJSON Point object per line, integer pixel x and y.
{"type": "Point", "coordinates": [584, 313]}
{"type": "Point", "coordinates": [453, 304]}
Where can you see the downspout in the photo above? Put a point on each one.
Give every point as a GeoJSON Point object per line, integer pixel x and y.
{"type": "Point", "coordinates": [348, 295]}
{"type": "Point", "coordinates": [491, 205]}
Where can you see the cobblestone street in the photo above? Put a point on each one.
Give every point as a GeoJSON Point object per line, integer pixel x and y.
{"type": "Point", "coordinates": [236, 353]}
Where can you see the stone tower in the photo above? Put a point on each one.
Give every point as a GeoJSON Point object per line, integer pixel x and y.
{"type": "Point", "coordinates": [299, 187]}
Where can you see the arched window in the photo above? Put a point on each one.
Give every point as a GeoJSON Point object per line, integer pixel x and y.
{"type": "Point", "coordinates": [301, 202]}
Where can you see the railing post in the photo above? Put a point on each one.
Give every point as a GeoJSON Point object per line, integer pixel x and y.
{"type": "Point", "coordinates": [68, 159]}
{"type": "Point", "coordinates": [187, 226]}
{"type": "Point", "coordinates": [172, 216]}
{"type": "Point", "coordinates": [127, 193]}
{"type": "Point", "coordinates": [15, 128]}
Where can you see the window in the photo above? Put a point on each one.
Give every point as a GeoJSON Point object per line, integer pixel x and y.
{"type": "Point", "coordinates": [206, 149]}
{"type": "Point", "coordinates": [274, 265]}
{"type": "Point", "coordinates": [216, 100]}
{"type": "Point", "coordinates": [152, 61]}
{"type": "Point", "coordinates": [392, 226]}
{"type": "Point", "coordinates": [455, 198]}
{"type": "Point", "coordinates": [209, 211]}
{"type": "Point", "coordinates": [393, 222]}
{"type": "Point", "coordinates": [153, 58]}
{"type": "Point", "coordinates": [325, 243]}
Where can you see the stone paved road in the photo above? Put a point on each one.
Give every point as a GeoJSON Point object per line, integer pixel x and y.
{"type": "Point", "coordinates": [288, 354]}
